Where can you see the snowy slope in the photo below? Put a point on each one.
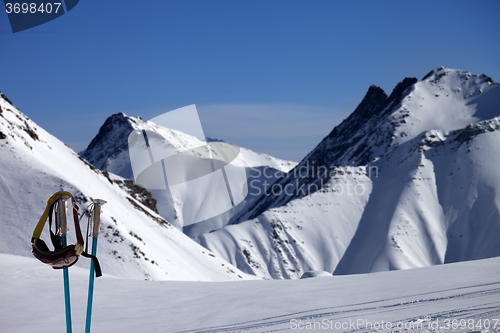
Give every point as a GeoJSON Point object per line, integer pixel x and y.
{"type": "Point", "coordinates": [418, 300]}
{"type": "Point", "coordinates": [136, 242]}
{"type": "Point", "coordinates": [427, 192]}
{"type": "Point", "coordinates": [446, 204]}
{"type": "Point", "coordinates": [306, 234]}
{"type": "Point", "coordinates": [108, 151]}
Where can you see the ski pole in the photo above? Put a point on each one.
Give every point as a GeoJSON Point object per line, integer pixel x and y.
{"type": "Point", "coordinates": [95, 231]}
{"type": "Point", "coordinates": [62, 230]}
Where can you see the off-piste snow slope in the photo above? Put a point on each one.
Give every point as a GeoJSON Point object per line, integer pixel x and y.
{"type": "Point", "coordinates": [412, 180]}
{"type": "Point", "coordinates": [108, 151]}
{"type": "Point", "coordinates": [136, 242]}
{"type": "Point", "coordinates": [459, 297]}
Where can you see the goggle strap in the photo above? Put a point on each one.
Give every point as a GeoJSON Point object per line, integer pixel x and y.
{"type": "Point", "coordinates": [48, 213]}
{"type": "Point", "coordinates": [97, 267]}
{"type": "Point", "coordinates": [79, 238]}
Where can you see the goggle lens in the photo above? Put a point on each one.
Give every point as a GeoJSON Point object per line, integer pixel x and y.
{"type": "Point", "coordinates": [63, 263]}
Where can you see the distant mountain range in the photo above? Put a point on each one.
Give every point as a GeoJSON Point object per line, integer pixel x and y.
{"type": "Point", "coordinates": [408, 180]}
{"type": "Point", "coordinates": [411, 180]}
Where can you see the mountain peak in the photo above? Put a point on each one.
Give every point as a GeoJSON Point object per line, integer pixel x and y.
{"type": "Point", "coordinates": [120, 116]}
{"type": "Point", "coordinates": [398, 91]}
{"type": "Point", "coordinates": [116, 128]}
{"type": "Point", "coordinates": [375, 98]}
{"type": "Point", "coordinates": [374, 89]}
{"type": "Point", "coordinates": [375, 92]}
{"type": "Point", "coordinates": [5, 98]}
{"type": "Point", "coordinates": [438, 72]}
{"type": "Point", "coordinates": [438, 75]}
{"type": "Point", "coordinates": [110, 125]}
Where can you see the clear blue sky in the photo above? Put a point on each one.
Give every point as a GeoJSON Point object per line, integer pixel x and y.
{"type": "Point", "coordinates": [273, 76]}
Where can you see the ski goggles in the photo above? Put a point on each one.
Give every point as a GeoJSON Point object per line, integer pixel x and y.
{"type": "Point", "coordinates": [58, 259]}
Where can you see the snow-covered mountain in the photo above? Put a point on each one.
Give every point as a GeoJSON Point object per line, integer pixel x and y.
{"type": "Point", "coordinates": [407, 180]}
{"type": "Point", "coordinates": [136, 242]}
{"type": "Point", "coordinates": [108, 151]}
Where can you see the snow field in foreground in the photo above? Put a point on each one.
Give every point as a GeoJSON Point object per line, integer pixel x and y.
{"type": "Point", "coordinates": [32, 301]}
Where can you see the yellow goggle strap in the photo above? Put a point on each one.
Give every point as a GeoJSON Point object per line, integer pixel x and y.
{"type": "Point", "coordinates": [41, 223]}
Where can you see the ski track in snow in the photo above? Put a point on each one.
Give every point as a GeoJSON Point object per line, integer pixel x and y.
{"type": "Point", "coordinates": [461, 291]}
{"type": "Point", "coordinates": [361, 310]}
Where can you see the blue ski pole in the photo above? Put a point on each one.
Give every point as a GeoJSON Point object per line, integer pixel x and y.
{"type": "Point", "coordinates": [62, 229]}
{"type": "Point", "coordinates": [95, 231]}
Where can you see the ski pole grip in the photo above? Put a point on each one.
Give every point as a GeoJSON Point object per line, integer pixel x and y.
{"type": "Point", "coordinates": [62, 211]}
{"type": "Point", "coordinates": [96, 217]}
